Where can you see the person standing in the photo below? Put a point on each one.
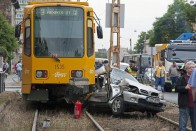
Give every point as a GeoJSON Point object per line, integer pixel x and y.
{"type": "Point", "coordinates": [15, 68]}
{"type": "Point", "coordinates": [19, 70]}
{"type": "Point", "coordinates": [192, 83]}
{"type": "Point", "coordinates": [159, 76]}
{"type": "Point", "coordinates": [173, 74]}
{"type": "Point", "coordinates": [5, 68]}
{"type": "Point", "coordinates": [98, 64]}
{"type": "Point", "coordinates": [132, 69]}
{"type": "Point", "coordinates": [185, 99]}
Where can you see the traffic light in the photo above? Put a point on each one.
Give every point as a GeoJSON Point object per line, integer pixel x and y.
{"type": "Point", "coordinates": [15, 4]}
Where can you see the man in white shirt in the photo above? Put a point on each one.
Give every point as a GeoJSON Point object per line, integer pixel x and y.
{"type": "Point", "coordinates": [19, 69]}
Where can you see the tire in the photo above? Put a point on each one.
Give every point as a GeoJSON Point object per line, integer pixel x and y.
{"type": "Point", "coordinates": [118, 106]}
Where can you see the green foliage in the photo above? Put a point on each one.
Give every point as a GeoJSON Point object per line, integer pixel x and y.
{"type": "Point", "coordinates": [178, 19]}
{"type": "Point", "coordinates": [140, 43]}
{"type": "Point", "coordinates": [8, 42]}
{"type": "Point", "coordinates": [130, 51]}
{"type": "Point", "coordinates": [100, 55]}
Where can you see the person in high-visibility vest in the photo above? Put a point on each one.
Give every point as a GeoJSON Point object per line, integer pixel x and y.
{"type": "Point", "coordinates": [159, 76]}
{"type": "Point", "coordinates": [132, 69]}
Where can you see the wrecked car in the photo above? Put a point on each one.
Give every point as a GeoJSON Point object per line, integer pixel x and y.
{"type": "Point", "coordinates": [121, 92]}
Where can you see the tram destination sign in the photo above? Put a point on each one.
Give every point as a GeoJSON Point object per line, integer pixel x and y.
{"type": "Point", "coordinates": [58, 11]}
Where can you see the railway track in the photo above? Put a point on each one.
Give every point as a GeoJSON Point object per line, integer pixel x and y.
{"type": "Point", "coordinates": [172, 122]}
{"type": "Point", "coordinates": [99, 121]}
{"type": "Point", "coordinates": [35, 120]}
{"type": "Point", "coordinates": [59, 118]}
{"type": "Point", "coordinates": [97, 126]}
{"type": "Point", "coordinates": [94, 121]}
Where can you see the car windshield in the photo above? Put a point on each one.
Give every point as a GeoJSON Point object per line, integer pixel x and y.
{"type": "Point", "coordinates": [118, 74]}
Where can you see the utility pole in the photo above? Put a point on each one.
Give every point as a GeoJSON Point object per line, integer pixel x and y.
{"type": "Point", "coordinates": [115, 29]}
{"type": "Point", "coordinates": [142, 50]}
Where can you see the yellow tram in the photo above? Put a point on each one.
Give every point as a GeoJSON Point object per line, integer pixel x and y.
{"type": "Point", "coordinates": [58, 50]}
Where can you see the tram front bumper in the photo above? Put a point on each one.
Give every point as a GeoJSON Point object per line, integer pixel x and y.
{"type": "Point", "coordinates": [80, 85]}
{"type": "Point", "coordinates": [38, 95]}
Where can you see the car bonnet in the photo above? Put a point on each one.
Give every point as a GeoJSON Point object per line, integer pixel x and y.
{"type": "Point", "coordinates": [139, 85]}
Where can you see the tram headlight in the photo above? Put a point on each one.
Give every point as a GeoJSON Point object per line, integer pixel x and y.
{"type": "Point", "coordinates": [76, 73]}
{"type": "Point", "coordinates": [41, 73]}
{"type": "Point", "coordinates": [38, 74]}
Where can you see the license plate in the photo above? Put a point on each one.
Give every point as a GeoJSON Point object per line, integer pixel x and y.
{"type": "Point", "coordinates": [153, 100]}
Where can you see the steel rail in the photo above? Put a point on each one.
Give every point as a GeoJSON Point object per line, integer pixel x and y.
{"type": "Point", "coordinates": [35, 120]}
{"type": "Point", "coordinates": [94, 122]}
{"type": "Point", "coordinates": [171, 121]}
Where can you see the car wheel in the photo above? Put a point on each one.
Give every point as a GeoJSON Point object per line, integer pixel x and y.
{"type": "Point", "coordinates": [118, 106]}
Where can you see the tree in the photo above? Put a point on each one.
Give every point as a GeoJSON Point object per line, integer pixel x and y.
{"type": "Point", "coordinates": [100, 55]}
{"type": "Point", "coordinates": [8, 43]}
{"type": "Point", "coordinates": [140, 42]}
{"type": "Point", "coordinates": [178, 19]}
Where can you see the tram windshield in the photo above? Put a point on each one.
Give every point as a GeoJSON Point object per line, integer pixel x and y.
{"type": "Point", "coordinates": [59, 31]}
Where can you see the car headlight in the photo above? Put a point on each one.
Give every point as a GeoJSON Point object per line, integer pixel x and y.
{"type": "Point", "coordinates": [161, 96]}
{"type": "Point", "coordinates": [132, 89]}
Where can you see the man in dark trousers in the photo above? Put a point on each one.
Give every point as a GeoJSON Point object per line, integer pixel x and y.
{"type": "Point", "coordinates": [173, 74]}
{"type": "Point", "coordinates": [185, 99]}
{"type": "Point", "coordinates": [5, 68]}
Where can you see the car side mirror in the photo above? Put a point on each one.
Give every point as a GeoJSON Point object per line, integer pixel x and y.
{"type": "Point", "coordinates": [99, 32]}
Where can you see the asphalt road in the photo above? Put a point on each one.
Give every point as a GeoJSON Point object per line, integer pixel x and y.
{"type": "Point", "coordinates": [171, 97]}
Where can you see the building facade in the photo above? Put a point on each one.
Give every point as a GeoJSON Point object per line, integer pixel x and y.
{"type": "Point", "coordinates": [19, 12]}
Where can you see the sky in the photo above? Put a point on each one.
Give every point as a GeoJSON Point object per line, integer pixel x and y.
{"type": "Point", "coordinates": [139, 17]}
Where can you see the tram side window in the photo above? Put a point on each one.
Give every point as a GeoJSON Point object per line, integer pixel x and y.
{"type": "Point", "coordinates": [90, 46]}
{"type": "Point", "coordinates": [27, 41]}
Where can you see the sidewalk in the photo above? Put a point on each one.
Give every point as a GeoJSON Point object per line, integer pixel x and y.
{"type": "Point", "coordinates": [10, 83]}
